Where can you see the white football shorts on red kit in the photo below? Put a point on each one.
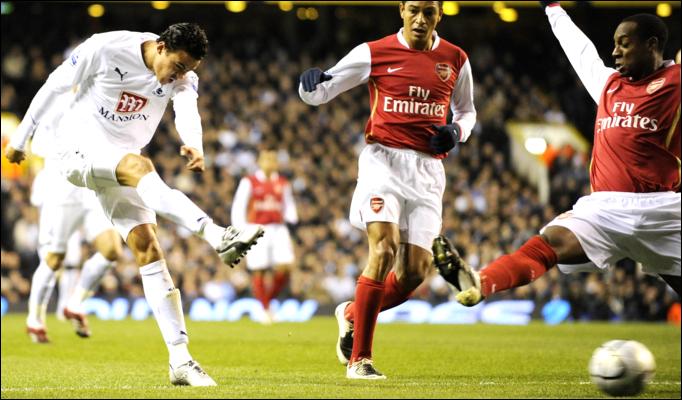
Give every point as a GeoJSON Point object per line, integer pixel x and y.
{"type": "Point", "coordinates": [611, 226]}
{"type": "Point", "coordinates": [401, 186]}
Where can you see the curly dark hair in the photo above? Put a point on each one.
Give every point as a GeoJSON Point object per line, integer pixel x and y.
{"type": "Point", "coordinates": [186, 36]}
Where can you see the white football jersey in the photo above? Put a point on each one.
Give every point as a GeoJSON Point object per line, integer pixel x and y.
{"type": "Point", "coordinates": [119, 100]}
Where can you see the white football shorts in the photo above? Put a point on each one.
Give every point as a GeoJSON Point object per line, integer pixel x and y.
{"type": "Point", "coordinates": [274, 248]}
{"type": "Point", "coordinates": [64, 208]}
{"type": "Point", "coordinates": [97, 171]}
{"type": "Point", "coordinates": [401, 186]}
{"type": "Point", "coordinates": [610, 226]}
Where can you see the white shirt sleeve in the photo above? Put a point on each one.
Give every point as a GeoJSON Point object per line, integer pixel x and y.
{"type": "Point", "coordinates": [462, 102]}
{"type": "Point", "coordinates": [83, 62]}
{"type": "Point", "coordinates": [290, 214]}
{"type": "Point", "coordinates": [351, 71]}
{"type": "Point", "coordinates": [240, 203]}
{"type": "Point", "coordinates": [580, 51]}
{"type": "Point", "coordinates": [187, 117]}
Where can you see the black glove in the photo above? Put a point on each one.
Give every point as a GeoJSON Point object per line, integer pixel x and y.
{"type": "Point", "coordinates": [445, 139]}
{"type": "Point", "coordinates": [312, 77]}
{"type": "Point", "coordinates": [548, 3]}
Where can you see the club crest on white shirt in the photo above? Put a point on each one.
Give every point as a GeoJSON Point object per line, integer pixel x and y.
{"type": "Point", "coordinates": [130, 102]}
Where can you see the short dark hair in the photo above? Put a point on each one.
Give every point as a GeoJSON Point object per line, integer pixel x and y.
{"type": "Point", "coordinates": [186, 36]}
{"type": "Point", "coordinates": [648, 26]}
{"type": "Point", "coordinates": [440, 3]}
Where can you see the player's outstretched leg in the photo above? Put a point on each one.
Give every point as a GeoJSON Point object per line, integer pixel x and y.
{"type": "Point", "coordinates": [465, 281]}
{"type": "Point", "coordinates": [230, 243]}
{"type": "Point", "coordinates": [344, 344]}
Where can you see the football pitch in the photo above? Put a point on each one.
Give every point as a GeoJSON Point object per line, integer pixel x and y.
{"type": "Point", "coordinates": [127, 359]}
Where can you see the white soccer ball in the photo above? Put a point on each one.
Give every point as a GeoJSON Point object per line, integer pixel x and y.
{"type": "Point", "coordinates": [622, 367]}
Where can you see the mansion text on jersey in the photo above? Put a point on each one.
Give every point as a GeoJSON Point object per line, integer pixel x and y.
{"type": "Point", "coordinates": [111, 116]}
{"type": "Point", "coordinates": [631, 121]}
{"type": "Point", "coordinates": [414, 107]}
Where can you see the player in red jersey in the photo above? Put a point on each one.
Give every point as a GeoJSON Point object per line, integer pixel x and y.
{"type": "Point", "coordinates": [634, 209]}
{"type": "Point", "coordinates": [265, 198]}
{"type": "Point", "coordinates": [414, 77]}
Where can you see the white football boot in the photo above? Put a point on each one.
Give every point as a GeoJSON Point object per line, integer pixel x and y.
{"type": "Point", "coordinates": [344, 345]}
{"type": "Point", "coordinates": [464, 281]}
{"type": "Point", "coordinates": [190, 374]}
{"type": "Point", "coordinates": [236, 242]}
{"type": "Point", "coordinates": [363, 369]}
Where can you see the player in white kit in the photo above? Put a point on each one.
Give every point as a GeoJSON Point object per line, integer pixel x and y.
{"type": "Point", "coordinates": [125, 80]}
{"type": "Point", "coordinates": [266, 198]}
{"type": "Point", "coordinates": [64, 208]}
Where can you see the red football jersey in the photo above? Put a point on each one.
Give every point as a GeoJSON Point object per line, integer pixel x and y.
{"type": "Point", "coordinates": [409, 91]}
{"type": "Point", "coordinates": [266, 203]}
{"type": "Point", "coordinates": [637, 134]}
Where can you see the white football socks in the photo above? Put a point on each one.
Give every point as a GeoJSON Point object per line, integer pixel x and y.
{"type": "Point", "coordinates": [212, 233]}
{"type": "Point", "coordinates": [68, 279]}
{"type": "Point", "coordinates": [93, 271]}
{"type": "Point", "coordinates": [42, 283]}
{"type": "Point", "coordinates": [170, 203]}
{"type": "Point", "coordinates": [164, 300]}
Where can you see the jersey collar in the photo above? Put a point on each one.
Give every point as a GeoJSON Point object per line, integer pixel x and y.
{"type": "Point", "coordinates": [401, 39]}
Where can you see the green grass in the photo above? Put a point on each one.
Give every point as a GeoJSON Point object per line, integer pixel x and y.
{"type": "Point", "coordinates": [127, 359]}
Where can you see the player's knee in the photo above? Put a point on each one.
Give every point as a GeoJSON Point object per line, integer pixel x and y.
{"type": "Point", "coordinates": [132, 168]}
{"type": "Point", "coordinates": [112, 253]}
{"type": "Point", "coordinates": [386, 251]}
{"type": "Point", "coordinates": [144, 245]}
{"type": "Point", "coordinates": [109, 245]}
{"type": "Point", "coordinates": [54, 260]}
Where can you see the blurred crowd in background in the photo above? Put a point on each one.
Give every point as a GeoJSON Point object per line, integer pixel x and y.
{"type": "Point", "coordinates": [249, 101]}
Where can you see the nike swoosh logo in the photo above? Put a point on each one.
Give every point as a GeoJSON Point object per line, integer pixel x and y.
{"type": "Point", "coordinates": [392, 70]}
{"type": "Point", "coordinates": [611, 90]}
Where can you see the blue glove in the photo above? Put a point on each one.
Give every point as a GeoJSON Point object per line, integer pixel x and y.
{"type": "Point", "coordinates": [312, 77]}
{"type": "Point", "coordinates": [548, 3]}
{"type": "Point", "coordinates": [445, 139]}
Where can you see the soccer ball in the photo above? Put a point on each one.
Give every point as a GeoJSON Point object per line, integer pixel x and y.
{"type": "Point", "coordinates": [622, 367]}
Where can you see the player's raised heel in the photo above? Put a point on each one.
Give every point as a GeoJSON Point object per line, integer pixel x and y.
{"type": "Point", "coordinates": [79, 321]}
{"type": "Point", "coordinates": [452, 267]}
{"type": "Point", "coordinates": [344, 344]}
{"type": "Point", "coordinates": [363, 369]}
{"type": "Point", "coordinates": [190, 374]}
{"type": "Point", "coordinates": [37, 335]}
{"type": "Point", "coordinates": [235, 243]}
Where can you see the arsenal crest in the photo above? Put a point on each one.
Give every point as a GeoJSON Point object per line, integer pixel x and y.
{"type": "Point", "coordinates": [376, 203]}
{"type": "Point", "coordinates": [655, 85]}
{"type": "Point", "coordinates": [443, 71]}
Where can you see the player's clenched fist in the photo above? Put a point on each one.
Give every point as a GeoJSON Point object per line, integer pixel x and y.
{"type": "Point", "coordinates": [14, 156]}
{"type": "Point", "coordinates": [312, 77]}
{"type": "Point", "coordinates": [445, 139]}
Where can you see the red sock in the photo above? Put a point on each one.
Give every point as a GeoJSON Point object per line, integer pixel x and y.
{"type": "Point", "coordinates": [368, 295]}
{"type": "Point", "coordinates": [394, 295]}
{"type": "Point", "coordinates": [523, 266]}
{"type": "Point", "coordinates": [258, 288]}
{"type": "Point", "coordinates": [278, 281]}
